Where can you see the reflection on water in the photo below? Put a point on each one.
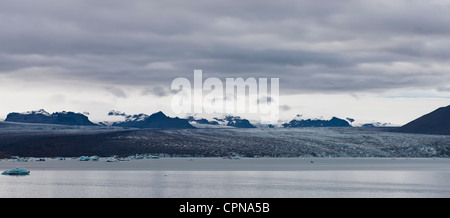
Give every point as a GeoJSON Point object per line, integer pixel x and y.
{"type": "Point", "coordinates": [227, 184]}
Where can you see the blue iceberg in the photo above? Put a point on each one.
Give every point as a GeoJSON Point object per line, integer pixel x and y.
{"type": "Point", "coordinates": [17, 172]}
{"type": "Point", "coordinates": [84, 158]}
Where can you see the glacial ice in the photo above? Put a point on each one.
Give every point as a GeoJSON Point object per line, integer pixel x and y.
{"type": "Point", "coordinates": [83, 158]}
{"type": "Point", "coordinates": [16, 171]}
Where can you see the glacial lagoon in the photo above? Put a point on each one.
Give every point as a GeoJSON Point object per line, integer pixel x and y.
{"type": "Point", "coordinates": [216, 177]}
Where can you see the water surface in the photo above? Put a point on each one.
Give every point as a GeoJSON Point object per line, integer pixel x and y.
{"type": "Point", "coordinates": [344, 178]}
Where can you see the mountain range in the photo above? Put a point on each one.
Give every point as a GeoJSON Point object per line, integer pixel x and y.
{"type": "Point", "coordinates": [157, 120]}
{"type": "Point", "coordinates": [436, 122]}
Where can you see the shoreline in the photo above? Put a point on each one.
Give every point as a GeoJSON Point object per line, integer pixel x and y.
{"type": "Point", "coordinates": [244, 164]}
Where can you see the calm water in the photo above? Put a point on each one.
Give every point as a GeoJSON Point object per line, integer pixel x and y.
{"type": "Point", "coordinates": [164, 184]}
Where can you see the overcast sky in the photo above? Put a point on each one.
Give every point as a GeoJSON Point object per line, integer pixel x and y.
{"type": "Point", "coordinates": [344, 58]}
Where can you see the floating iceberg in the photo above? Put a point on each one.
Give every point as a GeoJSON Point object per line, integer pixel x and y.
{"type": "Point", "coordinates": [86, 158]}
{"type": "Point", "coordinates": [17, 172]}
{"type": "Point", "coordinates": [111, 159]}
{"type": "Point", "coordinates": [233, 157]}
{"type": "Point", "coordinates": [94, 158]}
{"type": "Point", "coordinates": [83, 158]}
{"type": "Point", "coordinates": [137, 157]}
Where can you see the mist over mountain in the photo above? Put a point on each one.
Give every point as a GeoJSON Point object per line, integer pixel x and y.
{"type": "Point", "coordinates": [236, 121]}
{"type": "Point", "coordinates": [157, 120]}
{"type": "Point", "coordinates": [201, 121]}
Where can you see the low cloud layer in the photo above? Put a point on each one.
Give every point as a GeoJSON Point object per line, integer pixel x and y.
{"type": "Point", "coordinates": [324, 46]}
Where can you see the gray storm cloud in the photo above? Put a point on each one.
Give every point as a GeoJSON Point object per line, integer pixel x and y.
{"type": "Point", "coordinates": [312, 46]}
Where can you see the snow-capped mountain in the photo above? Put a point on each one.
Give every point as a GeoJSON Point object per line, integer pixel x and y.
{"type": "Point", "coordinates": [227, 121]}
{"type": "Point", "coordinates": [41, 111]}
{"type": "Point", "coordinates": [42, 116]}
{"type": "Point", "coordinates": [157, 120]}
{"type": "Point", "coordinates": [117, 117]}
{"type": "Point", "coordinates": [160, 120]}
{"type": "Point", "coordinates": [238, 122]}
{"type": "Point", "coordinates": [192, 119]}
{"type": "Point", "coordinates": [333, 122]}
{"type": "Point", "coordinates": [116, 113]}
{"type": "Point", "coordinates": [377, 124]}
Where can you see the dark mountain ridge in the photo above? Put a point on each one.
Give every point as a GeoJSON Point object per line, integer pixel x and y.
{"type": "Point", "coordinates": [157, 121]}
{"type": "Point", "coordinates": [334, 122]}
{"type": "Point", "coordinates": [41, 116]}
{"type": "Point", "coordinates": [436, 122]}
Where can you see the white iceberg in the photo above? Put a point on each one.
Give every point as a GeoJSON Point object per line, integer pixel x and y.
{"type": "Point", "coordinates": [111, 159]}
{"type": "Point", "coordinates": [152, 157]}
{"type": "Point", "coordinates": [124, 159]}
{"type": "Point", "coordinates": [233, 157]}
{"type": "Point", "coordinates": [17, 172]}
{"type": "Point", "coordinates": [94, 158]}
